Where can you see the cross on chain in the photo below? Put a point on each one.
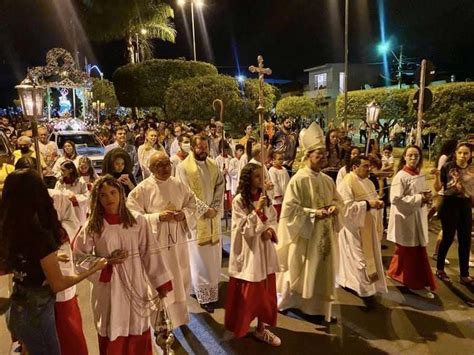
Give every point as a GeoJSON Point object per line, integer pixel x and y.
{"type": "Point", "coordinates": [261, 71]}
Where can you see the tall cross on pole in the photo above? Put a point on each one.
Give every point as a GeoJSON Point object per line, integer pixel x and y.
{"type": "Point", "coordinates": [261, 71]}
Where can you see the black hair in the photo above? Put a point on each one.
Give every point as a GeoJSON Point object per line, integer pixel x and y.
{"type": "Point", "coordinates": [69, 164]}
{"type": "Point", "coordinates": [347, 157]}
{"type": "Point", "coordinates": [357, 161]}
{"type": "Point", "coordinates": [73, 149]}
{"type": "Point", "coordinates": [109, 159]}
{"type": "Point", "coordinates": [26, 212]}
{"type": "Point", "coordinates": [448, 149]}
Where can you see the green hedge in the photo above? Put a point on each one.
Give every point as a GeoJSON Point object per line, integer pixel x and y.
{"type": "Point", "coordinates": [145, 84]}
{"type": "Point", "coordinates": [296, 106]}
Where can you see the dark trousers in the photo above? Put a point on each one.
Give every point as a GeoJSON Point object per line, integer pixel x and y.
{"type": "Point", "coordinates": [456, 216]}
{"type": "Point", "coordinates": [362, 133]}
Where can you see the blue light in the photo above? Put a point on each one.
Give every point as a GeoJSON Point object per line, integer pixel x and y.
{"type": "Point", "coordinates": [386, 72]}
{"type": "Point", "coordinates": [241, 78]}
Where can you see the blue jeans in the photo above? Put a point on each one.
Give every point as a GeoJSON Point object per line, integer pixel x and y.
{"type": "Point", "coordinates": [31, 320]}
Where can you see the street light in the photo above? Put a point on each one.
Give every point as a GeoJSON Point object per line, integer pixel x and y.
{"type": "Point", "coordinates": [373, 112]}
{"type": "Point", "coordinates": [31, 97]}
{"type": "Point", "coordinates": [385, 47]}
{"type": "Point", "coordinates": [199, 4]}
{"type": "Point", "coordinates": [98, 106]}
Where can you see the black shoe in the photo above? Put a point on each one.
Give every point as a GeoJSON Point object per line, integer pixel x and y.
{"type": "Point", "coordinates": [208, 307]}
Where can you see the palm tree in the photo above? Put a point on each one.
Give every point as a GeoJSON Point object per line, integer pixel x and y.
{"type": "Point", "coordinates": [134, 21]}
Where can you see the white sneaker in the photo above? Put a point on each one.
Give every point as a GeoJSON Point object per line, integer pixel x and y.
{"type": "Point", "coordinates": [268, 337]}
{"type": "Point", "coordinates": [423, 293]}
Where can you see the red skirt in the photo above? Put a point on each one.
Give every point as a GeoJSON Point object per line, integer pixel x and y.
{"type": "Point", "coordinates": [69, 328]}
{"type": "Point", "coordinates": [278, 211]}
{"type": "Point", "coordinates": [227, 201]}
{"type": "Point", "coordinates": [131, 345]}
{"type": "Point", "coordinates": [411, 267]}
{"type": "Point", "coordinates": [247, 300]}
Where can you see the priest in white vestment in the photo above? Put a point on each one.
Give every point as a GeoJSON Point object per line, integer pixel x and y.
{"type": "Point", "coordinates": [360, 257]}
{"type": "Point", "coordinates": [167, 204]}
{"type": "Point", "coordinates": [202, 175]}
{"type": "Point", "coordinates": [307, 232]}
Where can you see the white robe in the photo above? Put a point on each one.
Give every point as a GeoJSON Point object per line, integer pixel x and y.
{"type": "Point", "coordinates": [121, 307]}
{"type": "Point", "coordinates": [251, 258]}
{"type": "Point", "coordinates": [57, 165]}
{"type": "Point", "coordinates": [205, 259]}
{"type": "Point", "coordinates": [224, 163]}
{"type": "Point", "coordinates": [80, 190]}
{"type": "Point", "coordinates": [352, 271]}
{"type": "Point", "coordinates": [235, 167]}
{"type": "Point", "coordinates": [280, 180]}
{"type": "Point", "coordinates": [340, 175]}
{"type": "Point", "coordinates": [149, 198]}
{"type": "Point", "coordinates": [408, 222]}
{"type": "Point", "coordinates": [71, 225]}
{"type": "Point", "coordinates": [307, 247]}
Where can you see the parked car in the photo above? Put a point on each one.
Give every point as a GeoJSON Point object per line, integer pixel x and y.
{"type": "Point", "coordinates": [87, 144]}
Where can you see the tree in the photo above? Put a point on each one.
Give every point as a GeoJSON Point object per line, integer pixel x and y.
{"type": "Point", "coordinates": [109, 20]}
{"type": "Point", "coordinates": [270, 92]}
{"type": "Point", "coordinates": [191, 100]}
{"type": "Point", "coordinates": [145, 84]}
{"type": "Point", "coordinates": [296, 106]}
{"type": "Point", "coordinates": [104, 91]}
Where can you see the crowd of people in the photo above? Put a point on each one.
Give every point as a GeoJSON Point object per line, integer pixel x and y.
{"type": "Point", "coordinates": [147, 233]}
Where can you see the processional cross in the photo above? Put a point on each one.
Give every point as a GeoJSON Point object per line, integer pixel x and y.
{"type": "Point", "coordinates": [261, 71]}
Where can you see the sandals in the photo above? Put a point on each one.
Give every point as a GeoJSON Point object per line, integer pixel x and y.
{"type": "Point", "coordinates": [467, 281]}
{"type": "Point", "coordinates": [268, 337]}
{"type": "Point", "coordinates": [440, 274]}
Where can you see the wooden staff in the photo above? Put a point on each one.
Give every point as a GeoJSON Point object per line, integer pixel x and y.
{"type": "Point", "coordinates": [261, 71]}
{"type": "Point", "coordinates": [221, 117]}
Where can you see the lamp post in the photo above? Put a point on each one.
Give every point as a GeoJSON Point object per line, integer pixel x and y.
{"type": "Point", "coordinates": [31, 97]}
{"type": "Point", "coordinates": [199, 4]}
{"type": "Point", "coordinates": [373, 111]}
{"type": "Point", "coordinates": [98, 106]}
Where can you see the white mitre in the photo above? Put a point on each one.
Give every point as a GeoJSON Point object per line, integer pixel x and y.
{"type": "Point", "coordinates": [312, 138]}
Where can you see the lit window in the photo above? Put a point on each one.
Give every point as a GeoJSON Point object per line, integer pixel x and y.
{"type": "Point", "coordinates": [321, 80]}
{"type": "Point", "coordinates": [341, 82]}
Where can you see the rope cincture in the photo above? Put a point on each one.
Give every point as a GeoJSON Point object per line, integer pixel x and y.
{"type": "Point", "coordinates": [92, 257]}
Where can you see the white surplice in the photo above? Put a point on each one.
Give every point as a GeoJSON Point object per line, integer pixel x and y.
{"type": "Point", "coordinates": [307, 247]}
{"type": "Point", "coordinates": [352, 271]}
{"type": "Point", "coordinates": [81, 192]}
{"type": "Point", "coordinates": [205, 259]}
{"type": "Point", "coordinates": [151, 197]}
{"type": "Point", "coordinates": [251, 258]}
{"type": "Point", "coordinates": [280, 180]}
{"type": "Point", "coordinates": [122, 306]}
{"type": "Point", "coordinates": [235, 167]}
{"type": "Point", "coordinates": [71, 225]}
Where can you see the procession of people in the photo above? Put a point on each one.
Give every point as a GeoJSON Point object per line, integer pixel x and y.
{"type": "Point", "coordinates": [148, 233]}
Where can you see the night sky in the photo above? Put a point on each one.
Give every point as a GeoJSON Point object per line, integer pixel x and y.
{"type": "Point", "coordinates": [291, 35]}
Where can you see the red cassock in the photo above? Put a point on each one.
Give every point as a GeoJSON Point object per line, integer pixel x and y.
{"type": "Point", "coordinates": [411, 267]}
{"type": "Point", "coordinates": [247, 300]}
{"type": "Point", "coordinates": [69, 328]}
{"type": "Point", "coordinates": [132, 344]}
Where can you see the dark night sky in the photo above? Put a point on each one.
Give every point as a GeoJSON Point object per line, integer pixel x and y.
{"type": "Point", "coordinates": [291, 35]}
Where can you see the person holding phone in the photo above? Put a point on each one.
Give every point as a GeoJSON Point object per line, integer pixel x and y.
{"type": "Point", "coordinates": [117, 163]}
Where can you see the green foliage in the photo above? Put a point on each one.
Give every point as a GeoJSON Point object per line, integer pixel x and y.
{"type": "Point", "coordinates": [145, 84]}
{"type": "Point", "coordinates": [191, 100]}
{"type": "Point", "coordinates": [270, 92]}
{"type": "Point", "coordinates": [108, 20]}
{"type": "Point", "coordinates": [104, 91]}
{"type": "Point", "coordinates": [452, 114]}
{"type": "Point", "coordinates": [394, 104]}
{"type": "Point", "coordinates": [296, 106]}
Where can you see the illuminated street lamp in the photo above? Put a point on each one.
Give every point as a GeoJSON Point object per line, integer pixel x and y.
{"type": "Point", "coordinates": [373, 112]}
{"type": "Point", "coordinates": [385, 47]}
{"type": "Point", "coordinates": [199, 4]}
{"type": "Point", "coordinates": [31, 97]}
{"type": "Point", "coordinates": [98, 106]}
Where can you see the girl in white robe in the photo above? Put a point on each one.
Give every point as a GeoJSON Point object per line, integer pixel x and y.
{"type": "Point", "coordinates": [76, 188]}
{"type": "Point", "coordinates": [121, 294]}
{"type": "Point", "coordinates": [408, 225]}
{"type": "Point", "coordinates": [253, 260]}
